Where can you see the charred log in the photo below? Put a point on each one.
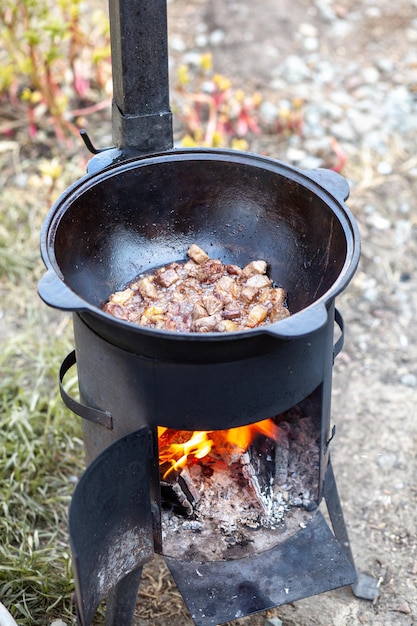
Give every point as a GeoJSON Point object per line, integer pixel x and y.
{"type": "Point", "coordinates": [258, 469]}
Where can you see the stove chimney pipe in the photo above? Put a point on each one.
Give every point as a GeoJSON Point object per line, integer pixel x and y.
{"type": "Point", "coordinates": [141, 116]}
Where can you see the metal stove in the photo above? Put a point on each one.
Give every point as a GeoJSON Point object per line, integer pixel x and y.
{"type": "Point", "coordinates": [139, 207]}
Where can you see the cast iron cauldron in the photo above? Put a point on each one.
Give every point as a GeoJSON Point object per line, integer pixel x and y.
{"type": "Point", "coordinates": [143, 213]}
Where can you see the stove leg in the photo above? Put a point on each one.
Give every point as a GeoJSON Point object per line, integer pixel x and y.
{"type": "Point", "coordinates": [366, 587]}
{"type": "Point", "coordinates": [121, 600]}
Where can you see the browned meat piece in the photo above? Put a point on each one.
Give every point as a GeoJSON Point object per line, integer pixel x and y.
{"type": "Point", "coordinates": [231, 311]}
{"type": "Point", "coordinates": [223, 289]}
{"type": "Point", "coordinates": [188, 285]}
{"type": "Point", "coordinates": [278, 313]}
{"type": "Point", "coordinates": [190, 268]}
{"type": "Point", "coordinates": [258, 281]}
{"type": "Point", "coordinates": [278, 296]}
{"type": "Point", "coordinates": [223, 284]}
{"type": "Point", "coordinates": [227, 326]}
{"type": "Point", "coordinates": [152, 314]}
{"type": "Point", "coordinates": [212, 304]}
{"type": "Point", "coordinates": [147, 289]}
{"type": "Point", "coordinates": [257, 314]}
{"type": "Point", "coordinates": [116, 310]}
{"type": "Point", "coordinates": [234, 270]}
{"type": "Point", "coordinates": [248, 294]}
{"type": "Point", "coordinates": [199, 311]}
{"type": "Point", "coordinates": [166, 278]}
{"type": "Point", "coordinates": [211, 271]}
{"type": "Point", "coordinates": [121, 297]}
{"type": "Point", "coordinates": [255, 267]}
{"type": "Point", "coordinates": [197, 254]}
{"type": "Point", "coordinates": [274, 300]}
{"type": "Point", "coordinates": [207, 324]}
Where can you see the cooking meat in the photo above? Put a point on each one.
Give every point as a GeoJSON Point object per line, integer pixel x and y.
{"type": "Point", "coordinates": [197, 254]}
{"type": "Point", "coordinates": [255, 267]}
{"type": "Point", "coordinates": [201, 295]}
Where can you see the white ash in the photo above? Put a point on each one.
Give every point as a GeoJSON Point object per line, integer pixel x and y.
{"type": "Point", "coordinates": [235, 511]}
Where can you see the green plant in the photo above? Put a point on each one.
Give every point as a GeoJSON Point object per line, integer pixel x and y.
{"type": "Point", "coordinates": [212, 112]}
{"type": "Point", "coordinates": [55, 56]}
{"type": "Point", "coordinates": [215, 114]}
{"type": "Point", "coordinates": [40, 445]}
{"type": "Point", "coordinates": [39, 455]}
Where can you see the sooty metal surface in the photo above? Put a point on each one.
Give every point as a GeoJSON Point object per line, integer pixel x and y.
{"type": "Point", "coordinates": [110, 528]}
{"type": "Point", "coordinates": [113, 527]}
{"type": "Point", "coordinates": [117, 224]}
{"type": "Point", "coordinates": [309, 563]}
{"type": "Point", "coordinates": [241, 206]}
{"type": "Point", "coordinates": [141, 115]}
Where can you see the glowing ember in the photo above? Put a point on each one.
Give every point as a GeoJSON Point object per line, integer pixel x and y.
{"type": "Point", "coordinates": [178, 447]}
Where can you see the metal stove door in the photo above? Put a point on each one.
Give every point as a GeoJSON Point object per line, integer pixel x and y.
{"type": "Point", "coordinates": [110, 525]}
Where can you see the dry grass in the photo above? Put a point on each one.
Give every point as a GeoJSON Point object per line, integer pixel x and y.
{"type": "Point", "coordinates": [41, 448]}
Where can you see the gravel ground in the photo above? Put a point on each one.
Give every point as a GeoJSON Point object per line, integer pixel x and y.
{"type": "Point", "coordinates": [354, 66]}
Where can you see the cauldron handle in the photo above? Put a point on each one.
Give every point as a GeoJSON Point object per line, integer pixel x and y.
{"type": "Point", "coordinates": [309, 321]}
{"type": "Point", "coordinates": [98, 416]}
{"type": "Point", "coordinates": [331, 181]}
{"type": "Point", "coordinates": [339, 343]}
{"type": "Point", "coordinates": [57, 295]}
{"type": "Point", "coordinates": [301, 323]}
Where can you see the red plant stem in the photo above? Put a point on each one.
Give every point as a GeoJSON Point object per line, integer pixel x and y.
{"type": "Point", "coordinates": [90, 109]}
{"type": "Point", "coordinates": [340, 153]}
{"type": "Point", "coordinates": [212, 116]}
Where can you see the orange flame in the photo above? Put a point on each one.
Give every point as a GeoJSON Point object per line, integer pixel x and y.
{"type": "Point", "coordinates": [200, 443]}
{"type": "Point", "coordinates": [242, 436]}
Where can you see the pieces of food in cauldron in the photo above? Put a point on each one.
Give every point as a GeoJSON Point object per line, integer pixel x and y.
{"type": "Point", "coordinates": [201, 295]}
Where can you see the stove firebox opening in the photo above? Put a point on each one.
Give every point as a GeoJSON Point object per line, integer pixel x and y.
{"type": "Point", "coordinates": [226, 494]}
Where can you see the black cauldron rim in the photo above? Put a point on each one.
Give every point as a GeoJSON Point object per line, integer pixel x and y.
{"type": "Point", "coordinates": [329, 186]}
